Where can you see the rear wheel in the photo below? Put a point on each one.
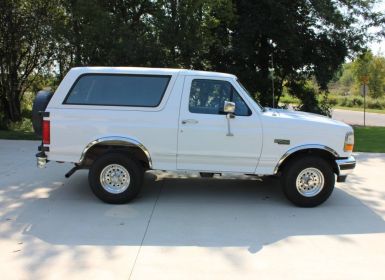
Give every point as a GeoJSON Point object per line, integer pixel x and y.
{"type": "Point", "coordinates": [115, 178]}
{"type": "Point", "coordinates": [308, 181]}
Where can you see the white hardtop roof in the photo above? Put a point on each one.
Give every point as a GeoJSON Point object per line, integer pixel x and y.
{"type": "Point", "coordinates": [147, 71]}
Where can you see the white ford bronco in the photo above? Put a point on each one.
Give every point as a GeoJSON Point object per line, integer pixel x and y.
{"type": "Point", "coordinates": [119, 122]}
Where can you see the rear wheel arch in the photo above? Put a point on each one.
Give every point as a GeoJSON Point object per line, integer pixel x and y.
{"type": "Point", "coordinates": [128, 146]}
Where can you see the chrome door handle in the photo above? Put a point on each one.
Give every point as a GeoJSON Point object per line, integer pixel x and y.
{"type": "Point", "coordinates": [189, 121]}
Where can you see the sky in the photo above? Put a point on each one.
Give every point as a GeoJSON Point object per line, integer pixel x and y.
{"type": "Point", "coordinates": [379, 47]}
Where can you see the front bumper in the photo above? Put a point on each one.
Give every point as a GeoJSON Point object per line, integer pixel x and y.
{"type": "Point", "coordinates": [345, 167]}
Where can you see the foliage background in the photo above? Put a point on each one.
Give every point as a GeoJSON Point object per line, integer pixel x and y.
{"type": "Point", "coordinates": [301, 43]}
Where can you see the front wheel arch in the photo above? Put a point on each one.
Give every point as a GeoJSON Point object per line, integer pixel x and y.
{"type": "Point", "coordinates": [326, 155]}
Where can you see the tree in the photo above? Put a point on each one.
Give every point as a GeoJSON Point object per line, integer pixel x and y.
{"type": "Point", "coordinates": [362, 66]}
{"type": "Point", "coordinates": [377, 77]}
{"type": "Point", "coordinates": [113, 33]}
{"type": "Point", "coordinates": [26, 47]}
{"type": "Point", "coordinates": [194, 34]}
{"type": "Point", "coordinates": [372, 67]}
{"type": "Point", "coordinates": [306, 38]}
{"type": "Point", "coordinates": [176, 33]}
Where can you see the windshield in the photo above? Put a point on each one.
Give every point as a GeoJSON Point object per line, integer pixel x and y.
{"type": "Point", "coordinates": [249, 94]}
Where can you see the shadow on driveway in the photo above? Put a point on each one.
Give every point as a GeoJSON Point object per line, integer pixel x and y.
{"type": "Point", "coordinates": [186, 212]}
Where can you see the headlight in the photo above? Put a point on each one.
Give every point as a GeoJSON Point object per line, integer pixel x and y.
{"type": "Point", "coordinates": [349, 142]}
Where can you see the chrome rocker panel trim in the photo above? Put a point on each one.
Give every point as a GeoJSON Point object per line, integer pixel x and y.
{"type": "Point", "coordinates": [117, 140]}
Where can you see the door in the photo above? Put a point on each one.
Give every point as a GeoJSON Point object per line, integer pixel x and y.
{"type": "Point", "coordinates": [208, 140]}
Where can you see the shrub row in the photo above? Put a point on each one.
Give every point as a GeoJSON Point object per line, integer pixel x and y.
{"type": "Point", "coordinates": [356, 101]}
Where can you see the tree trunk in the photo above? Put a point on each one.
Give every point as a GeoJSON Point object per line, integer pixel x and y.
{"type": "Point", "coordinates": [265, 81]}
{"type": "Point", "coordinates": [12, 106]}
{"type": "Point", "coordinates": [279, 90]}
{"type": "Point", "coordinates": [14, 110]}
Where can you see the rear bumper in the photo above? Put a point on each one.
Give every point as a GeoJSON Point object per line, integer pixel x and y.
{"type": "Point", "coordinates": [345, 167]}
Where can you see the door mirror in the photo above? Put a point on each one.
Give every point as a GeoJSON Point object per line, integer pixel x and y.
{"type": "Point", "coordinates": [229, 107]}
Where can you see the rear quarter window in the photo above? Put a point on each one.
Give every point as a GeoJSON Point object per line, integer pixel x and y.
{"type": "Point", "coordinates": [118, 90]}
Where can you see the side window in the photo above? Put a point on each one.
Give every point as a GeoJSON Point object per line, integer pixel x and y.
{"type": "Point", "coordinates": [118, 90]}
{"type": "Point", "coordinates": [209, 96]}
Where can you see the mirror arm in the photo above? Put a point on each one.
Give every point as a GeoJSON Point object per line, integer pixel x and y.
{"type": "Point", "coordinates": [228, 117]}
{"type": "Point", "coordinates": [229, 109]}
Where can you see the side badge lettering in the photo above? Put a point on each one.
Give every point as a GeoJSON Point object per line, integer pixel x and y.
{"type": "Point", "coordinates": [282, 141]}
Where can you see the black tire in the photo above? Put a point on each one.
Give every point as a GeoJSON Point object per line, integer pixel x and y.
{"type": "Point", "coordinates": [293, 169]}
{"type": "Point", "coordinates": [206, 175]}
{"type": "Point", "coordinates": [132, 166]}
{"type": "Point", "coordinates": [39, 105]}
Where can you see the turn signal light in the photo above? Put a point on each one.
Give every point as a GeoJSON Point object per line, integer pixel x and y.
{"type": "Point", "coordinates": [348, 147]}
{"type": "Point", "coordinates": [46, 132]}
{"type": "Point", "coordinates": [349, 142]}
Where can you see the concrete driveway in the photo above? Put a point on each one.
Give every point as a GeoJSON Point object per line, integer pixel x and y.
{"type": "Point", "coordinates": [54, 228]}
{"type": "Point", "coordinates": [357, 118]}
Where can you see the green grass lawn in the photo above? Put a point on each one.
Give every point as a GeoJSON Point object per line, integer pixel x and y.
{"type": "Point", "coordinates": [17, 135]}
{"type": "Point", "coordinates": [369, 139]}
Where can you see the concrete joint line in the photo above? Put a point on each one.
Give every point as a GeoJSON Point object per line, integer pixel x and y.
{"type": "Point", "coordinates": [145, 232]}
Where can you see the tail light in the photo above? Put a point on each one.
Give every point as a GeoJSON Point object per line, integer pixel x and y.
{"type": "Point", "coordinates": [46, 132]}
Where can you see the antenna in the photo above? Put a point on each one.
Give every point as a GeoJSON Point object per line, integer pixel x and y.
{"type": "Point", "coordinates": [272, 77]}
{"type": "Point", "coordinates": [272, 69]}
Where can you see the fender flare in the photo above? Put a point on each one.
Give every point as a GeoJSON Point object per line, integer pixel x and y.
{"type": "Point", "coordinates": [304, 147]}
{"type": "Point", "coordinates": [117, 141]}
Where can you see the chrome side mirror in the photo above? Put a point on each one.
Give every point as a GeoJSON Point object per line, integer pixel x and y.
{"type": "Point", "coordinates": [229, 107]}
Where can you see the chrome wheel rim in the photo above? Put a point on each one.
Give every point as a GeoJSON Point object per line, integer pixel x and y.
{"type": "Point", "coordinates": [115, 178]}
{"type": "Point", "coordinates": [310, 182]}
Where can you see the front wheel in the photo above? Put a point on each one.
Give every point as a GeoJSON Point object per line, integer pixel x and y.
{"type": "Point", "coordinates": [308, 181]}
{"type": "Point", "coordinates": [115, 178]}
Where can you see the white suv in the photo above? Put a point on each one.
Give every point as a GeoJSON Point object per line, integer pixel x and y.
{"type": "Point", "coordinates": [120, 122]}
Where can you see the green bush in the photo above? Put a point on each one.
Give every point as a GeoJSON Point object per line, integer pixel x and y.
{"type": "Point", "coordinates": [357, 102]}
{"type": "Point", "coordinates": [376, 104]}
{"type": "Point", "coordinates": [346, 102]}
{"type": "Point", "coordinates": [25, 126]}
{"type": "Point", "coordinates": [333, 100]}
{"type": "Point", "coordinates": [287, 99]}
